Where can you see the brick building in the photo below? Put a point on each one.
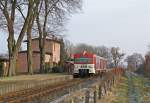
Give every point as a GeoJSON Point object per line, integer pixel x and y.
{"type": "Point", "coordinates": [52, 55]}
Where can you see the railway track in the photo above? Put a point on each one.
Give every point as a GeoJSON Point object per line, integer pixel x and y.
{"type": "Point", "coordinates": [29, 95]}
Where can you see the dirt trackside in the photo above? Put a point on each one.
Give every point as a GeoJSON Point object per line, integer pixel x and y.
{"type": "Point", "coordinates": [16, 83]}
{"type": "Point", "coordinates": [131, 89]}
{"type": "Point", "coordinates": [119, 93]}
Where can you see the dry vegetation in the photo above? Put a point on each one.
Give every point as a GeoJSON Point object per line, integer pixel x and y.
{"type": "Point", "coordinates": [16, 83]}
{"type": "Point", "coordinates": [135, 91]}
{"type": "Point", "coordinates": [119, 93]}
{"type": "Point", "coordinates": [32, 77]}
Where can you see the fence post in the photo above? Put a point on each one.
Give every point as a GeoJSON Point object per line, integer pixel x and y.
{"type": "Point", "coordinates": [113, 80]}
{"type": "Point", "coordinates": [105, 88]}
{"type": "Point", "coordinates": [87, 96]}
{"type": "Point", "coordinates": [110, 85]}
{"type": "Point", "coordinates": [72, 100]}
{"type": "Point", "coordinates": [99, 92]}
{"type": "Point", "coordinates": [95, 96]}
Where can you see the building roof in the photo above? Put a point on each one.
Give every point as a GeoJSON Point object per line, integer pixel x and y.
{"type": "Point", "coordinates": [54, 39]}
{"type": "Point", "coordinates": [4, 57]}
{"type": "Point", "coordinates": [25, 51]}
{"type": "Point", "coordinates": [71, 62]}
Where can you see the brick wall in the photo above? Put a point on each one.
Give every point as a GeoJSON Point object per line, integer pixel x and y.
{"type": "Point", "coordinates": [22, 67]}
{"type": "Point", "coordinates": [51, 46]}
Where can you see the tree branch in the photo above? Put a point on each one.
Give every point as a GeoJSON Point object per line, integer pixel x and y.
{"type": "Point", "coordinates": [19, 9]}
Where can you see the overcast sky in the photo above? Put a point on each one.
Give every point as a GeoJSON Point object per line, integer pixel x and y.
{"type": "Point", "coordinates": [123, 23]}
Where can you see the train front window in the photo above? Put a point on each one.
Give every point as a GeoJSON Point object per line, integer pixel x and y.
{"type": "Point", "coordinates": [83, 60]}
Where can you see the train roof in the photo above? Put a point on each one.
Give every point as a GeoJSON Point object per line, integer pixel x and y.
{"type": "Point", "coordinates": [88, 54]}
{"type": "Point", "coordinates": [101, 57]}
{"type": "Point", "coordinates": [84, 53]}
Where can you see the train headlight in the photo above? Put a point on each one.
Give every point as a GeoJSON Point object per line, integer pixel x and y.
{"type": "Point", "coordinates": [90, 66]}
{"type": "Point", "coordinates": [90, 71]}
{"type": "Point", "coordinates": [76, 66]}
{"type": "Point", "coordinates": [76, 71]}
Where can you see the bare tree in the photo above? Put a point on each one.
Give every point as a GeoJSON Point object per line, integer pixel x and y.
{"type": "Point", "coordinates": [29, 38]}
{"type": "Point", "coordinates": [79, 48]}
{"type": "Point", "coordinates": [102, 51]}
{"type": "Point", "coordinates": [134, 61]}
{"type": "Point", "coordinates": [29, 33]}
{"type": "Point", "coordinates": [51, 10]}
{"type": "Point", "coordinates": [68, 48]}
{"type": "Point", "coordinates": [8, 9]}
{"type": "Point", "coordinates": [147, 65]}
{"type": "Point", "coordinates": [117, 56]}
{"type": "Point", "coordinates": [105, 52]}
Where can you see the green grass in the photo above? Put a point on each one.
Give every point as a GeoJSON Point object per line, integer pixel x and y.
{"type": "Point", "coordinates": [122, 91]}
{"type": "Point", "coordinates": [142, 87]}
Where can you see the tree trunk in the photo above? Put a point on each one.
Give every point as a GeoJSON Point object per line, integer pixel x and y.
{"type": "Point", "coordinates": [41, 60]}
{"type": "Point", "coordinates": [10, 15]}
{"type": "Point", "coordinates": [11, 43]}
{"type": "Point", "coordinates": [12, 65]}
{"type": "Point", "coordinates": [29, 44]}
{"type": "Point", "coordinates": [29, 39]}
{"type": "Point", "coordinates": [40, 41]}
{"type": "Point", "coordinates": [42, 37]}
{"type": "Point", "coordinates": [41, 49]}
{"type": "Point", "coordinates": [42, 54]}
{"type": "Point", "coordinates": [29, 50]}
{"type": "Point", "coordinates": [12, 56]}
{"type": "Point", "coordinates": [14, 47]}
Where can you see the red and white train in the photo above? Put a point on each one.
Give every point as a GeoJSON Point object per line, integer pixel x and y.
{"type": "Point", "coordinates": [88, 64]}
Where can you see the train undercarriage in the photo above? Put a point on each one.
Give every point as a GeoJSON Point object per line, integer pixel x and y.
{"type": "Point", "coordinates": [85, 73]}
